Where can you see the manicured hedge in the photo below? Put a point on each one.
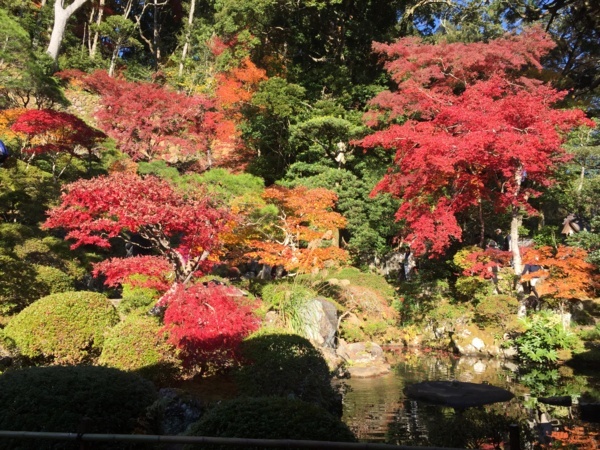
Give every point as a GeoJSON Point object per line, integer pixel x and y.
{"type": "Point", "coordinates": [286, 365]}
{"type": "Point", "coordinates": [136, 344]}
{"type": "Point", "coordinates": [270, 418]}
{"type": "Point", "coordinates": [134, 298]}
{"type": "Point", "coordinates": [65, 328]}
{"type": "Point", "coordinates": [65, 398]}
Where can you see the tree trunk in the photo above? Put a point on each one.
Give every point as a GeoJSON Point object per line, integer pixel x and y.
{"type": "Point", "coordinates": [61, 16]}
{"type": "Point", "coordinates": [113, 61]}
{"type": "Point", "coordinates": [155, 36]}
{"type": "Point", "coordinates": [481, 225]}
{"type": "Point", "coordinates": [188, 35]}
{"type": "Point", "coordinates": [581, 179]}
{"type": "Point", "coordinates": [515, 223]}
{"type": "Point", "coordinates": [96, 34]}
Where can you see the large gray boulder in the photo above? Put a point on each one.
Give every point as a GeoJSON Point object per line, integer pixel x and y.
{"type": "Point", "coordinates": [363, 359]}
{"type": "Point", "coordinates": [319, 322]}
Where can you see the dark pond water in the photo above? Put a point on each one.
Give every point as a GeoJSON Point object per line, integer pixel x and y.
{"type": "Point", "coordinates": [377, 410]}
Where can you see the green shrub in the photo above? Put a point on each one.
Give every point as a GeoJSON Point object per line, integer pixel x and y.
{"type": "Point", "coordinates": [496, 310]}
{"type": "Point", "coordinates": [270, 418]}
{"type": "Point", "coordinates": [375, 328]}
{"type": "Point", "coordinates": [135, 291]}
{"type": "Point", "coordinates": [365, 279]}
{"type": "Point", "coordinates": [60, 399]}
{"type": "Point", "coordinates": [592, 334]}
{"type": "Point", "coordinates": [288, 299]}
{"type": "Point", "coordinates": [278, 294]}
{"type": "Point", "coordinates": [547, 235]}
{"type": "Point", "coordinates": [40, 280]}
{"type": "Point", "coordinates": [352, 332]}
{"type": "Point", "coordinates": [51, 251]}
{"type": "Point", "coordinates": [15, 275]}
{"type": "Point", "coordinates": [544, 335]}
{"type": "Point", "coordinates": [460, 259]}
{"type": "Point", "coordinates": [473, 289]}
{"type": "Point", "coordinates": [286, 365]}
{"type": "Point", "coordinates": [65, 328]}
{"type": "Point", "coordinates": [478, 426]}
{"type": "Point", "coordinates": [419, 297]}
{"type": "Point", "coordinates": [12, 234]}
{"type": "Point", "coordinates": [135, 303]}
{"type": "Point", "coordinates": [53, 280]}
{"type": "Point", "coordinates": [368, 330]}
{"type": "Point", "coordinates": [137, 345]}
{"type": "Point", "coordinates": [33, 250]}
{"type": "Point", "coordinates": [137, 298]}
{"type": "Point", "coordinates": [447, 311]}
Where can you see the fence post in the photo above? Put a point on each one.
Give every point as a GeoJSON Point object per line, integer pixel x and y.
{"type": "Point", "coordinates": [514, 436]}
{"type": "Point", "coordinates": [84, 428]}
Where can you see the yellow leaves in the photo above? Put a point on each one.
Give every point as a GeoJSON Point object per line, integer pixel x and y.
{"type": "Point", "coordinates": [124, 165]}
{"type": "Point", "coordinates": [7, 118]}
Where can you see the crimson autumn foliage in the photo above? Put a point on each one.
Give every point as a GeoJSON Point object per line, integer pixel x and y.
{"type": "Point", "coordinates": [52, 133]}
{"type": "Point", "coordinates": [158, 273]}
{"type": "Point", "coordinates": [182, 230]}
{"type": "Point", "coordinates": [484, 263]}
{"type": "Point", "coordinates": [150, 121]}
{"type": "Point", "coordinates": [301, 236]}
{"type": "Point", "coordinates": [206, 323]}
{"type": "Point", "coordinates": [473, 129]}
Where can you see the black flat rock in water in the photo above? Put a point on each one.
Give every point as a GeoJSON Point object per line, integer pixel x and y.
{"type": "Point", "coordinates": [457, 394]}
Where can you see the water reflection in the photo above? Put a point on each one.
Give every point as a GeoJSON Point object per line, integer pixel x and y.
{"type": "Point", "coordinates": [378, 411]}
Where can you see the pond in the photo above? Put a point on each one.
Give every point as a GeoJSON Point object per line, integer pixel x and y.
{"type": "Point", "coordinates": [377, 409]}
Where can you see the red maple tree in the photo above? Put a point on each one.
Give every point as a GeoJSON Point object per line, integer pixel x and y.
{"type": "Point", "coordinates": [53, 133]}
{"type": "Point", "coordinates": [150, 121]}
{"type": "Point", "coordinates": [206, 323]}
{"type": "Point", "coordinates": [181, 229]}
{"type": "Point", "coordinates": [467, 127]}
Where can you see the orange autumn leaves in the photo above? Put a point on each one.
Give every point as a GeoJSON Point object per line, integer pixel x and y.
{"type": "Point", "coordinates": [297, 229]}
{"type": "Point", "coordinates": [565, 273]}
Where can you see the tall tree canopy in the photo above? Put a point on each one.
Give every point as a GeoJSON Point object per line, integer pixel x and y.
{"type": "Point", "coordinates": [468, 126]}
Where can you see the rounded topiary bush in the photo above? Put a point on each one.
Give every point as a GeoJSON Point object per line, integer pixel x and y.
{"type": "Point", "coordinates": [15, 275]}
{"type": "Point", "coordinates": [135, 297]}
{"type": "Point", "coordinates": [136, 344]}
{"type": "Point", "coordinates": [496, 309]}
{"type": "Point", "coordinates": [286, 365]}
{"type": "Point", "coordinates": [270, 418]}
{"type": "Point", "coordinates": [66, 328]}
{"type": "Point", "coordinates": [53, 280]}
{"type": "Point", "coordinates": [65, 398]}
{"type": "Point", "coordinates": [12, 233]}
